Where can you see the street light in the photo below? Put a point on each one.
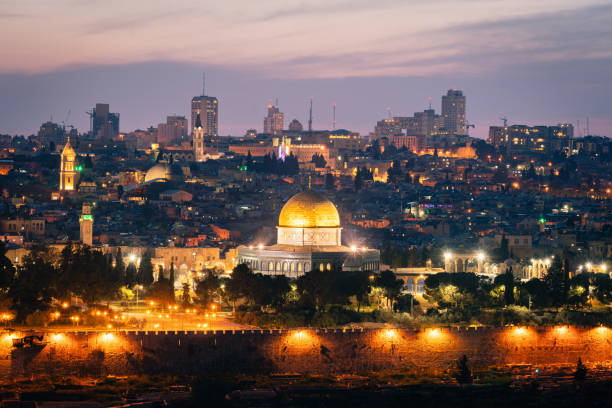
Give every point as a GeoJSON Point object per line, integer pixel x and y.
{"type": "Point", "coordinates": [481, 256]}
{"type": "Point", "coordinates": [448, 256]}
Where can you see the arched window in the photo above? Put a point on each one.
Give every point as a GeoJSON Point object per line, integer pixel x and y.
{"type": "Point", "coordinates": [328, 267]}
{"type": "Point", "coordinates": [292, 268]}
{"type": "Point", "coordinates": [278, 267]}
{"type": "Point", "coordinates": [270, 266]}
{"type": "Point", "coordinates": [299, 267]}
{"type": "Point", "coordinates": [285, 266]}
{"type": "Point", "coordinates": [307, 267]}
{"type": "Point", "coordinates": [321, 267]}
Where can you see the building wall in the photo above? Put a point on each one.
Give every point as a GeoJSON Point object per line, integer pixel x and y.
{"type": "Point", "coordinates": [23, 226]}
{"type": "Point", "coordinates": [321, 351]}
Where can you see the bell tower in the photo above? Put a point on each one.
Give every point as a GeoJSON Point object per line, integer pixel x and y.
{"type": "Point", "coordinates": [86, 223]}
{"type": "Point", "coordinates": [198, 140]}
{"type": "Point", "coordinates": [68, 172]}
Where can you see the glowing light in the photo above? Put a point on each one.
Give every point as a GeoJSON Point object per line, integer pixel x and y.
{"type": "Point", "coordinates": [260, 246]}
{"type": "Point", "coordinates": [561, 329]}
{"type": "Point", "coordinates": [389, 334]}
{"type": "Point", "coordinates": [65, 305]}
{"type": "Point", "coordinates": [109, 326]}
{"type": "Point", "coordinates": [448, 256]}
{"type": "Point", "coordinates": [57, 337]}
{"type": "Point", "coordinates": [604, 267]}
{"type": "Point", "coordinates": [107, 337]}
{"type": "Point", "coordinates": [520, 331]}
{"type": "Point", "coordinates": [213, 307]}
{"type": "Point", "coordinates": [353, 248]}
{"type": "Point", "coordinates": [480, 256]}
{"type": "Point", "coordinates": [151, 303]}
{"type": "Point", "coordinates": [433, 332]}
{"type": "Point", "coordinates": [588, 266]}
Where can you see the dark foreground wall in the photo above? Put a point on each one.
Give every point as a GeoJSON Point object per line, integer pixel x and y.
{"type": "Point", "coordinates": [304, 351]}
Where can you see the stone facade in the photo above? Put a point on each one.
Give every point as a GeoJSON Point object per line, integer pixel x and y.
{"type": "Point", "coordinates": [321, 351]}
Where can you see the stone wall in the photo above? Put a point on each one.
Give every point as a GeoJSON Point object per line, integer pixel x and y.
{"type": "Point", "coordinates": [305, 351]}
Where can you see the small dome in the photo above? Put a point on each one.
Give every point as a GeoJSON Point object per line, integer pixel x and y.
{"type": "Point", "coordinates": [309, 209]}
{"type": "Point", "coordinates": [159, 172]}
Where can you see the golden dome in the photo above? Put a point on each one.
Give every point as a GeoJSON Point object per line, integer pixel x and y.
{"type": "Point", "coordinates": [309, 209]}
{"type": "Point", "coordinates": [159, 172]}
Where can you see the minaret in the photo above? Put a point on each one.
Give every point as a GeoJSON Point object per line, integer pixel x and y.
{"type": "Point", "coordinates": [198, 140]}
{"type": "Point", "coordinates": [86, 222]}
{"type": "Point", "coordinates": [67, 169]}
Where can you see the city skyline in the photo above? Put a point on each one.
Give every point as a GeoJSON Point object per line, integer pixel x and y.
{"type": "Point", "coordinates": [515, 73]}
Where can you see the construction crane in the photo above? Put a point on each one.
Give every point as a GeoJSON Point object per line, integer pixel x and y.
{"type": "Point", "coordinates": [505, 119]}
{"type": "Point", "coordinates": [468, 125]}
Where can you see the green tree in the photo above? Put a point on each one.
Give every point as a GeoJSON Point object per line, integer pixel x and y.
{"type": "Point", "coordinates": [316, 288]}
{"type": "Point", "coordinates": [119, 271]}
{"type": "Point", "coordinates": [557, 281]}
{"type": "Point", "coordinates": [330, 182]}
{"type": "Point", "coordinates": [131, 275]}
{"type": "Point", "coordinates": [207, 289]}
{"type": "Point", "coordinates": [145, 269]}
{"type": "Point", "coordinates": [185, 296]}
{"type": "Point", "coordinates": [537, 291]}
{"type": "Point", "coordinates": [34, 285]}
{"type": "Point", "coordinates": [7, 270]}
{"type": "Point", "coordinates": [390, 285]}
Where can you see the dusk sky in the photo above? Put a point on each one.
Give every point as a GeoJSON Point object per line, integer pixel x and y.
{"type": "Point", "coordinates": [538, 62]}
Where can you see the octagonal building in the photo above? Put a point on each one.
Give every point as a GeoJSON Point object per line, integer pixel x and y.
{"type": "Point", "coordinates": [308, 237]}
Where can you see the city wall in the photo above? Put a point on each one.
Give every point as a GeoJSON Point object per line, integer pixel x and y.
{"type": "Point", "coordinates": [337, 351]}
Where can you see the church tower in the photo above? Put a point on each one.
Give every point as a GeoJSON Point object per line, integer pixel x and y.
{"type": "Point", "coordinates": [198, 140]}
{"type": "Point", "coordinates": [86, 223]}
{"type": "Point", "coordinates": [67, 168]}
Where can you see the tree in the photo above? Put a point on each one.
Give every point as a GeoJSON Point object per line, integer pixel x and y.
{"type": "Point", "coordinates": [390, 285]}
{"type": "Point", "coordinates": [507, 279]}
{"type": "Point", "coordinates": [330, 183]}
{"type": "Point", "coordinates": [34, 286]}
{"type": "Point", "coordinates": [316, 288]}
{"type": "Point", "coordinates": [463, 374]}
{"type": "Point", "coordinates": [249, 161]}
{"type": "Point", "coordinates": [185, 297]}
{"type": "Point", "coordinates": [145, 269]}
{"type": "Point", "coordinates": [207, 288]}
{"type": "Point", "coordinates": [131, 273]}
{"type": "Point", "coordinates": [119, 271]}
{"type": "Point", "coordinates": [537, 291]}
{"type": "Point", "coordinates": [556, 280]}
{"type": "Point", "coordinates": [358, 182]}
{"type": "Point", "coordinates": [7, 270]}
{"type": "Point", "coordinates": [172, 278]}
{"type": "Point", "coordinates": [319, 160]}
{"type": "Point", "coordinates": [581, 371]}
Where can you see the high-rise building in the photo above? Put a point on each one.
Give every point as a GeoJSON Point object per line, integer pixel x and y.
{"type": "Point", "coordinates": [522, 138]}
{"type": "Point", "coordinates": [274, 122]}
{"type": "Point", "coordinates": [174, 130]}
{"type": "Point", "coordinates": [453, 111]}
{"type": "Point", "coordinates": [86, 224]}
{"type": "Point", "coordinates": [68, 172]}
{"type": "Point", "coordinates": [104, 124]}
{"type": "Point", "coordinates": [53, 135]}
{"type": "Point", "coordinates": [208, 109]}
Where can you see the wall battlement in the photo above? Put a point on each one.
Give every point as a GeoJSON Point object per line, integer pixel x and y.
{"type": "Point", "coordinates": [325, 351]}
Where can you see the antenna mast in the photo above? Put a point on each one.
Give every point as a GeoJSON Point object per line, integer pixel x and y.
{"type": "Point", "coordinates": [203, 83]}
{"type": "Point", "coordinates": [334, 121]}
{"type": "Point", "coordinates": [310, 117]}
